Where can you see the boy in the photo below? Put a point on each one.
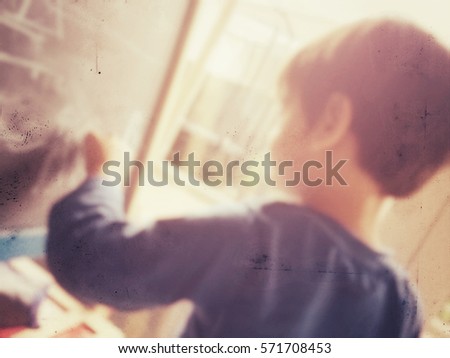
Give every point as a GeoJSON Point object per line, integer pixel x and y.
{"type": "Point", "coordinates": [375, 94]}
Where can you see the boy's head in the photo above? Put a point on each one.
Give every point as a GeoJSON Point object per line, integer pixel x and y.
{"type": "Point", "coordinates": [396, 79]}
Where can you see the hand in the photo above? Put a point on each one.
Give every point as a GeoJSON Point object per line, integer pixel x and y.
{"type": "Point", "coordinates": [99, 149]}
{"type": "Point", "coordinates": [94, 154]}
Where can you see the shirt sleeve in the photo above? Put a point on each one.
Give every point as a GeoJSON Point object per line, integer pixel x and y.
{"type": "Point", "coordinates": [403, 318]}
{"type": "Point", "coordinates": [410, 312]}
{"type": "Point", "coordinates": [95, 254]}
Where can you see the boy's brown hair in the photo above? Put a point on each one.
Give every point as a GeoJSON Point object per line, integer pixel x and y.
{"type": "Point", "coordinates": [398, 79]}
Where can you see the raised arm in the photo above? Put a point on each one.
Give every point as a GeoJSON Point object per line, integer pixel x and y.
{"type": "Point", "coordinates": [95, 254]}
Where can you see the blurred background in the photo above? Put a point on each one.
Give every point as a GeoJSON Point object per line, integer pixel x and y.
{"type": "Point", "coordinates": [165, 77]}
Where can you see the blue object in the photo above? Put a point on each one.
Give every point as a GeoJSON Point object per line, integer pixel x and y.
{"type": "Point", "coordinates": [23, 243]}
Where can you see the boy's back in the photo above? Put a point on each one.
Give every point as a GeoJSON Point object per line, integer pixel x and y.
{"type": "Point", "coordinates": [279, 270]}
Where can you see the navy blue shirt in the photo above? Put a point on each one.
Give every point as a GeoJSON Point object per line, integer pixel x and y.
{"type": "Point", "coordinates": [277, 270]}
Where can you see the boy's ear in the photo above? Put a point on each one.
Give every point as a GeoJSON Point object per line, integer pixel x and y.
{"type": "Point", "coordinates": [334, 122]}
